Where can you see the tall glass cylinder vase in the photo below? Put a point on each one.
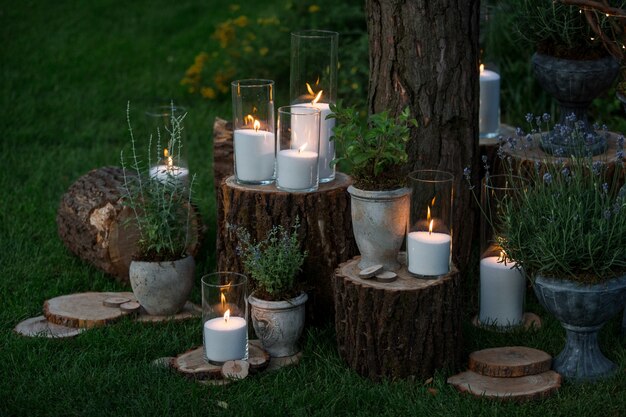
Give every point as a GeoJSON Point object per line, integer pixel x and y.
{"type": "Point", "coordinates": [225, 317]}
{"type": "Point", "coordinates": [313, 83]}
{"type": "Point", "coordinates": [298, 149]}
{"type": "Point", "coordinates": [429, 238]}
{"type": "Point", "coordinates": [253, 131]}
{"type": "Point", "coordinates": [502, 284]}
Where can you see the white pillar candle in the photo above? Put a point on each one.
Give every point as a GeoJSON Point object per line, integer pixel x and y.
{"type": "Point", "coordinates": [169, 175]}
{"type": "Point", "coordinates": [254, 155]}
{"type": "Point", "coordinates": [327, 147]}
{"type": "Point", "coordinates": [296, 169]}
{"type": "Point", "coordinates": [502, 289]}
{"type": "Point", "coordinates": [225, 340]}
{"type": "Point", "coordinates": [489, 109]}
{"type": "Point", "coordinates": [428, 253]}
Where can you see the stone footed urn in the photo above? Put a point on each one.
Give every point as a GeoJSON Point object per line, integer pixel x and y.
{"type": "Point", "coordinates": [162, 288]}
{"type": "Point", "coordinates": [379, 221]}
{"type": "Point", "coordinates": [582, 311]}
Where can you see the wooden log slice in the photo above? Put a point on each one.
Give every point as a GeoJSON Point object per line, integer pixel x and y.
{"type": "Point", "coordinates": [115, 301]}
{"type": "Point", "coordinates": [192, 365]}
{"type": "Point", "coordinates": [189, 311]}
{"type": "Point", "coordinates": [509, 361]}
{"type": "Point", "coordinates": [40, 327]}
{"type": "Point", "coordinates": [90, 219]}
{"type": "Point", "coordinates": [523, 388]}
{"type": "Point", "coordinates": [258, 358]}
{"type": "Point", "coordinates": [223, 160]}
{"type": "Point", "coordinates": [325, 231]}
{"type": "Point", "coordinates": [409, 327]}
{"type": "Point", "coordinates": [83, 310]}
{"type": "Point", "coordinates": [235, 369]}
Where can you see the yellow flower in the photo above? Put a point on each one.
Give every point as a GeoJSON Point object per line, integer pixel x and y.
{"type": "Point", "coordinates": [263, 51]}
{"type": "Point", "coordinates": [314, 8]}
{"type": "Point", "coordinates": [354, 86]}
{"type": "Point", "coordinates": [241, 21]}
{"type": "Point", "coordinates": [208, 92]}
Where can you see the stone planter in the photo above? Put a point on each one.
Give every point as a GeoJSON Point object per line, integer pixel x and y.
{"type": "Point", "coordinates": [162, 288]}
{"type": "Point", "coordinates": [379, 221]}
{"type": "Point", "coordinates": [278, 324]}
{"type": "Point", "coordinates": [582, 311]}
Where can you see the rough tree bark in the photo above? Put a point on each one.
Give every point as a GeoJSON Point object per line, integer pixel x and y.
{"type": "Point", "coordinates": [424, 55]}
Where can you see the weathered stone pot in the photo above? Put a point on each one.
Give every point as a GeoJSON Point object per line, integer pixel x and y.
{"type": "Point", "coordinates": [582, 311]}
{"type": "Point", "coordinates": [162, 288]}
{"type": "Point", "coordinates": [278, 324]}
{"type": "Point", "coordinates": [379, 220]}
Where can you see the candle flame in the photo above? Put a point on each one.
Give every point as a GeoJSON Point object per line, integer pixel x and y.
{"type": "Point", "coordinates": [430, 227]}
{"type": "Point", "coordinates": [257, 125]}
{"type": "Point", "coordinates": [166, 153]}
{"type": "Point", "coordinates": [169, 162]}
{"type": "Point", "coordinates": [223, 300]}
{"type": "Point", "coordinates": [482, 68]}
{"type": "Point", "coordinates": [227, 315]}
{"type": "Point", "coordinates": [311, 92]}
{"type": "Point", "coordinates": [301, 148]}
{"type": "Point", "coordinates": [317, 98]}
{"type": "Point", "coordinates": [309, 89]}
{"type": "Point", "coordinates": [249, 119]}
{"type": "Point", "coordinates": [428, 214]}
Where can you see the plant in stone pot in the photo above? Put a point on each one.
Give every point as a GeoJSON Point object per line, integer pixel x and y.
{"type": "Point", "coordinates": [162, 272]}
{"type": "Point", "coordinates": [571, 62]}
{"type": "Point", "coordinates": [277, 306]}
{"type": "Point", "coordinates": [375, 151]}
{"type": "Point", "coordinates": [567, 230]}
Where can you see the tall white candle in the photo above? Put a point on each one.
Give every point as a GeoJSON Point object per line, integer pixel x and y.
{"type": "Point", "coordinates": [169, 174]}
{"type": "Point", "coordinates": [225, 339]}
{"type": "Point", "coordinates": [254, 155]}
{"type": "Point", "coordinates": [489, 110]}
{"type": "Point", "coordinates": [502, 289]}
{"type": "Point", "coordinates": [428, 253]}
{"type": "Point", "coordinates": [297, 169]}
{"type": "Point", "coordinates": [302, 128]}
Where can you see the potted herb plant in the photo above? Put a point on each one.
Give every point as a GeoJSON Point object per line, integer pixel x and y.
{"type": "Point", "coordinates": [277, 307]}
{"type": "Point", "coordinates": [375, 152]}
{"type": "Point", "coordinates": [162, 272]}
{"type": "Point", "coordinates": [567, 230]}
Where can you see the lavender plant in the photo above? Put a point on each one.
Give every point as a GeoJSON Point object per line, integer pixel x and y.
{"type": "Point", "coordinates": [161, 211]}
{"type": "Point", "coordinates": [274, 262]}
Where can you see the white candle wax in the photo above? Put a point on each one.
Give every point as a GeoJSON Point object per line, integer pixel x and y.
{"type": "Point", "coordinates": [297, 170]}
{"type": "Point", "coordinates": [168, 175]}
{"type": "Point", "coordinates": [489, 109]}
{"type": "Point", "coordinates": [428, 253]}
{"type": "Point", "coordinates": [225, 340]}
{"type": "Point", "coordinates": [502, 289]}
{"type": "Point", "coordinates": [327, 147]}
{"type": "Point", "coordinates": [254, 155]}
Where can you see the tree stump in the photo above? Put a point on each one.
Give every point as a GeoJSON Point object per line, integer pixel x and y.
{"type": "Point", "coordinates": [325, 231]}
{"type": "Point", "coordinates": [223, 159]}
{"type": "Point", "coordinates": [91, 221]}
{"type": "Point", "coordinates": [409, 327]}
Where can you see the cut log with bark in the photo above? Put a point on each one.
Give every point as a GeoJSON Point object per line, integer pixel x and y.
{"type": "Point", "coordinates": [223, 159]}
{"type": "Point", "coordinates": [325, 231]}
{"type": "Point", "coordinates": [258, 358]}
{"type": "Point", "coordinates": [93, 223]}
{"type": "Point", "coordinates": [409, 327]}
{"type": "Point", "coordinates": [235, 369]}
{"type": "Point", "coordinates": [192, 365]}
{"type": "Point", "coordinates": [84, 310]}
{"type": "Point", "coordinates": [40, 327]}
{"type": "Point", "coordinates": [509, 361]}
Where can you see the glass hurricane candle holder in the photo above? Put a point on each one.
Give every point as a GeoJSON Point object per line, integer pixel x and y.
{"type": "Point", "coordinates": [489, 107]}
{"type": "Point", "coordinates": [170, 167]}
{"type": "Point", "coordinates": [298, 149]}
{"type": "Point", "coordinates": [253, 131]}
{"type": "Point", "coordinates": [224, 317]}
{"type": "Point", "coordinates": [429, 238]}
{"type": "Point", "coordinates": [502, 284]}
{"type": "Point", "coordinates": [313, 83]}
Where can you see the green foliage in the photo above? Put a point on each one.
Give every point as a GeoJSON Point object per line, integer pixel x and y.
{"type": "Point", "coordinates": [162, 209]}
{"type": "Point", "coordinates": [375, 149]}
{"type": "Point", "coordinates": [274, 262]}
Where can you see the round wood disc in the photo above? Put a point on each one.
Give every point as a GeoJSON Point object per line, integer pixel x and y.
{"type": "Point", "coordinates": [83, 310]}
{"type": "Point", "coordinates": [192, 365]}
{"type": "Point", "coordinates": [130, 307]}
{"type": "Point", "coordinates": [370, 272]}
{"type": "Point", "coordinates": [258, 358]}
{"type": "Point", "coordinates": [509, 361]}
{"type": "Point", "coordinates": [386, 276]}
{"type": "Point", "coordinates": [115, 301]}
{"type": "Point", "coordinates": [189, 311]}
{"type": "Point", "coordinates": [40, 327]}
{"type": "Point", "coordinates": [235, 369]}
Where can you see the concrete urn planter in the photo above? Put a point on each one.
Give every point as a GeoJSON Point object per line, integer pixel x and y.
{"type": "Point", "coordinates": [278, 324]}
{"type": "Point", "coordinates": [162, 288]}
{"type": "Point", "coordinates": [379, 221]}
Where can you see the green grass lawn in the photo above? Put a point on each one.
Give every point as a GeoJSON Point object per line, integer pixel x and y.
{"type": "Point", "coordinates": [68, 70]}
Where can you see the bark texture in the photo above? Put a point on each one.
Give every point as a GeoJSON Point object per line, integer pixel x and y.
{"type": "Point", "coordinates": [325, 231]}
{"type": "Point", "coordinates": [424, 55]}
{"type": "Point", "coordinates": [409, 327]}
{"type": "Point", "coordinates": [223, 160]}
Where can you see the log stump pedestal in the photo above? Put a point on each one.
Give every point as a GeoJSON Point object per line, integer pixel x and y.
{"type": "Point", "coordinates": [409, 327]}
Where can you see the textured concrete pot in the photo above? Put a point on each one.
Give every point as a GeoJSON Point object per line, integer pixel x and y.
{"type": "Point", "coordinates": [278, 324]}
{"type": "Point", "coordinates": [162, 288]}
{"type": "Point", "coordinates": [379, 220]}
{"type": "Point", "coordinates": [582, 311]}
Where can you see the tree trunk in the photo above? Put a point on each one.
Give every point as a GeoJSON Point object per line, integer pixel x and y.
{"type": "Point", "coordinates": [223, 160]}
{"type": "Point", "coordinates": [424, 55]}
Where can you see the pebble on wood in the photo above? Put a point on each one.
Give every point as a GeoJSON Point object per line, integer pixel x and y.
{"type": "Point", "coordinates": [130, 307]}
{"type": "Point", "coordinates": [386, 276]}
{"type": "Point", "coordinates": [370, 272]}
{"type": "Point", "coordinates": [115, 301]}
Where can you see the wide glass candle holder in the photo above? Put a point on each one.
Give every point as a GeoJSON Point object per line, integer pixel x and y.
{"type": "Point", "coordinates": [298, 149]}
{"type": "Point", "coordinates": [170, 166]}
{"type": "Point", "coordinates": [224, 317]}
{"type": "Point", "coordinates": [502, 284]}
{"type": "Point", "coordinates": [253, 131]}
{"type": "Point", "coordinates": [489, 107]}
{"type": "Point", "coordinates": [313, 83]}
{"type": "Point", "coordinates": [429, 238]}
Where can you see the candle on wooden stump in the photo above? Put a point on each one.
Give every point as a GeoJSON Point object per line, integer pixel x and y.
{"type": "Point", "coordinates": [502, 289]}
{"type": "Point", "coordinates": [225, 338]}
{"type": "Point", "coordinates": [254, 155]}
